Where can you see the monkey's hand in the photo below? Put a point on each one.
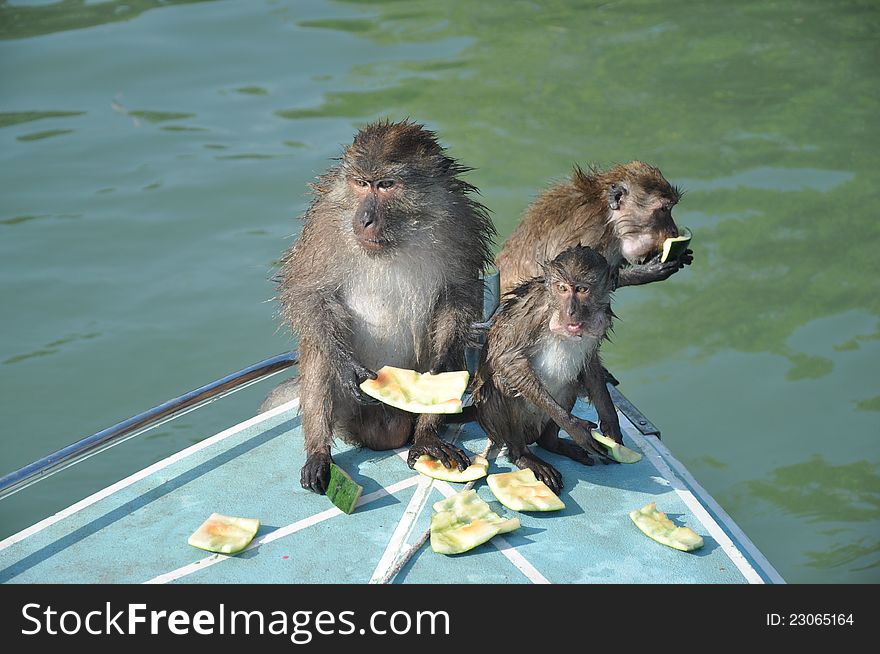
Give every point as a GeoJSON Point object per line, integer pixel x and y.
{"type": "Point", "coordinates": [613, 434]}
{"type": "Point", "coordinates": [315, 474]}
{"type": "Point", "coordinates": [434, 446]}
{"type": "Point", "coordinates": [582, 436]}
{"type": "Point", "coordinates": [653, 270]}
{"type": "Point", "coordinates": [352, 376]}
{"type": "Point", "coordinates": [543, 471]}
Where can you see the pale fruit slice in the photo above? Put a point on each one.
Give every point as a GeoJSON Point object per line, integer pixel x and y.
{"type": "Point", "coordinates": [464, 521]}
{"type": "Point", "coordinates": [431, 467]}
{"type": "Point", "coordinates": [418, 392]}
{"type": "Point", "coordinates": [468, 505]}
{"type": "Point", "coordinates": [616, 451]}
{"type": "Point", "coordinates": [674, 247]}
{"type": "Point", "coordinates": [521, 491]}
{"type": "Point", "coordinates": [655, 525]}
{"type": "Point", "coordinates": [224, 534]}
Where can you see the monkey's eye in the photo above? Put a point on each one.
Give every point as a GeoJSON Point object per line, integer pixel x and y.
{"type": "Point", "coordinates": [581, 289]}
{"type": "Point", "coordinates": [561, 288]}
{"type": "Point", "coordinates": [385, 183]}
{"type": "Point", "coordinates": [362, 183]}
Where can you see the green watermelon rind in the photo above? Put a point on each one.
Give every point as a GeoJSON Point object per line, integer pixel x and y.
{"type": "Point", "coordinates": [616, 451]}
{"type": "Point", "coordinates": [410, 384]}
{"type": "Point", "coordinates": [431, 467]}
{"type": "Point", "coordinates": [499, 485]}
{"type": "Point", "coordinates": [242, 532]}
{"type": "Point", "coordinates": [465, 521]}
{"type": "Point", "coordinates": [673, 247]}
{"type": "Point", "coordinates": [656, 526]}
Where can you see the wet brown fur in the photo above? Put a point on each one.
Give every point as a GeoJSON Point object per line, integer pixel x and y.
{"type": "Point", "coordinates": [529, 378]}
{"type": "Point", "coordinates": [409, 303]}
{"type": "Point", "coordinates": [577, 211]}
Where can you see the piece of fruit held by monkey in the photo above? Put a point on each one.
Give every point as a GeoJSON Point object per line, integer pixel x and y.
{"type": "Point", "coordinates": [542, 352]}
{"type": "Point", "coordinates": [624, 213]}
{"type": "Point", "coordinates": [386, 271]}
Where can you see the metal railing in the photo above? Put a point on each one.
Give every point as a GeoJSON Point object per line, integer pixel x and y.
{"type": "Point", "coordinates": [136, 425]}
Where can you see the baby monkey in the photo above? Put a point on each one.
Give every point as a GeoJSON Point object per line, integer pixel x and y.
{"type": "Point", "coordinates": [542, 352]}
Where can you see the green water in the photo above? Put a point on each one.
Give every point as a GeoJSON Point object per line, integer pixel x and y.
{"type": "Point", "coordinates": [154, 156]}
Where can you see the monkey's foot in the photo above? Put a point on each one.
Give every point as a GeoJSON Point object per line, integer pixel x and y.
{"type": "Point", "coordinates": [449, 455]}
{"type": "Point", "coordinates": [543, 470]}
{"type": "Point", "coordinates": [315, 474]}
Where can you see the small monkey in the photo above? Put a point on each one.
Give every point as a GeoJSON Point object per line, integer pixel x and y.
{"type": "Point", "coordinates": [624, 213]}
{"type": "Point", "coordinates": [542, 352]}
{"type": "Point", "coordinates": [386, 272]}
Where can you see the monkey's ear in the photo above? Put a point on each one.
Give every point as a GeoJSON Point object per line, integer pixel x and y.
{"type": "Point", "coordinates": [615, 193]}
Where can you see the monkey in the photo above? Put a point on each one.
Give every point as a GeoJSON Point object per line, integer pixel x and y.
{"type": "Point", "coordinates": [386, 271]}
{"type": "Point", "coordinates": [625, 213]}
{"type": "Point", "coordinates": [542, 352]}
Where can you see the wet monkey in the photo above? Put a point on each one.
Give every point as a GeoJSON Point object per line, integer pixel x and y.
{"type": "Point", "coordinates": [386, 271]}
{"type": "Point", "coordinates": [625, 213]}
{"type": "Point", "coordinates": [542, 352]}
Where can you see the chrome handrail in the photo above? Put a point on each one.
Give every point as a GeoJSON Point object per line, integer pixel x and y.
{"type": "Point", "coordinates": [136, 425]}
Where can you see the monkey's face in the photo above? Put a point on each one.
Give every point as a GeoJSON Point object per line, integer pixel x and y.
{"type": "Point", "coordinates": [374, 199]}
{"type": "Point", "coordinates": [641, 205]}
{"type": "Point", "coordinates": [395, 180]}
{"type": "Point", "coordinates": [579, 294]}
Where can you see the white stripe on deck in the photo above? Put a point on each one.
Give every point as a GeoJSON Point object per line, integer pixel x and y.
{"type": "Point", "coordinates": [502, 545]}
{"type": "Point", "coordinates": [404, 528]}
{"type": "Point", "coordinates": [690, 500]}
{"type": "Point", "coordinates": [709, 501]}
{"type": "Point", "coordinates": [281, 532]}
{"type": "Point", "coordinates": [146, 472]}
{"type": "Point", "coordinates": [397, 544]}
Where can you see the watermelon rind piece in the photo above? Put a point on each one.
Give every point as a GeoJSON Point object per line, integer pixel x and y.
{"type": "Point", "coordinates": [522, 491]}
{"type": "Point", "coordinates": [656, 526]}
{"type": "Point", "coordinates": [342, 490]}
{"type": "Point", "coordinates": [418, 392]}
{"type": "Point", "coordinates": [616, 451]}
{"type": "Point", "coordinates": [224, 534]}
{"type": "Point", "coordinates": [674, 247]}
{"type": "Point", "coordinates": [464, 521]}
{"type": "Point", "coordinates": [431, 467]}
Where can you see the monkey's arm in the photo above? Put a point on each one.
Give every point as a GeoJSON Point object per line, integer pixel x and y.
{"type": "Point", "coordinates": [323, 320]}
{"type": "Point", "coordinates": [653, 270]}
{"type": "Point", "coordinates": [593, 379]}
{"type": "Point", "coordinates": [518, 377]}
{"type": "Point", "coordinates": [316, 378]}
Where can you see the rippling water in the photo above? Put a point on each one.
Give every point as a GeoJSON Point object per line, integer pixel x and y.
{"type": "Point", "coordinates": [155, 156]}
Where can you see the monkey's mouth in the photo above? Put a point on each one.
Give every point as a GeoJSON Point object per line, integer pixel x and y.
{"type": "Point", "coordinates": [567, 329]}
{"type": "Point", "coordinates": [373, 244]}
{"type": "Point", "coordinates": [575, 329]}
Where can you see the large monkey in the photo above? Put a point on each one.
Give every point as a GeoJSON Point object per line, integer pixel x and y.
{"type": "Point", "coordinates": [385, 272]}
{"type": "Point", "coordinates": [542, 352]}
{"type": "Point", "coordinates": [625, 213]}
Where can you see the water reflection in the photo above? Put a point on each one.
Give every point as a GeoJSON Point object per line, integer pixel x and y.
{"type": "Point", "coordinates": [47, 134]}
{"type": "Point", "coordinates": [861, 556]}
{"type": "Point", "coordinates": [776, 202]}
{"type": "Point", "coordinates": [23, 21]}
{"type": "Point", "coordinates": [819, 491]}
{"type": "Point", "coordinates": [10, 118]}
